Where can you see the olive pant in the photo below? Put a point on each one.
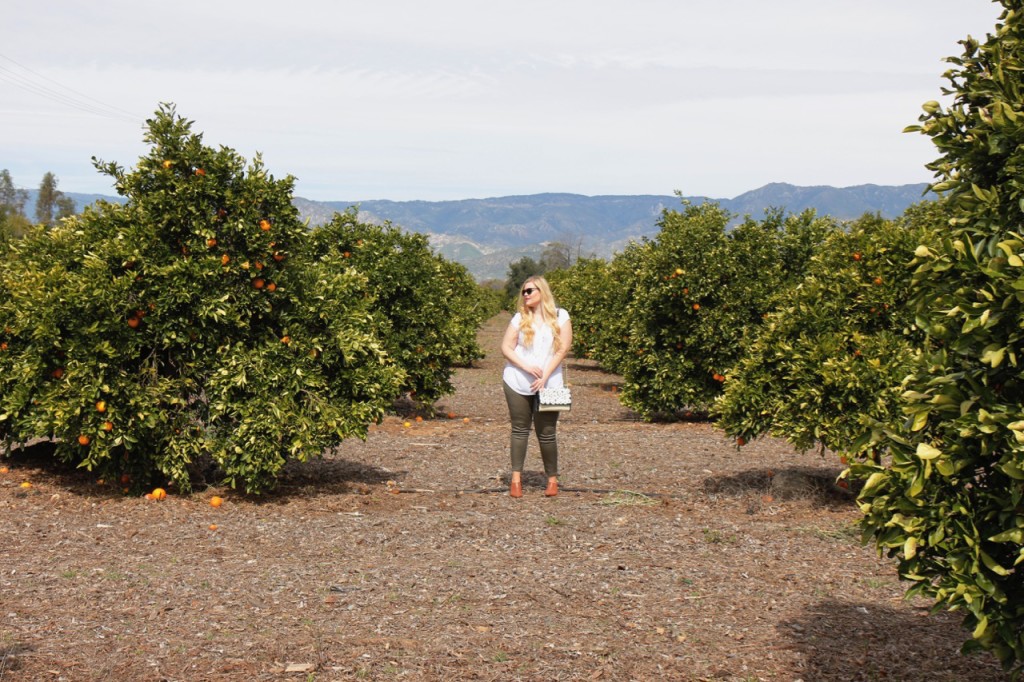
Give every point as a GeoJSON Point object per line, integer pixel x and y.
{"type": "Point", "coordinates": [522, 411]}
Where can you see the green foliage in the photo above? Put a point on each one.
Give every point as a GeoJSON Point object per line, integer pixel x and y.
{"type": "Point", "coordinates": [52, 204]}
{"type": "Point", "coordinates": [427, 310]}
{"type": "Point", "coordinates": [835, 351]}
{"type": "Point", "coordinates": [597, 294]}
{"type": "Point", "coordinates": [948, 504]}
{"type": "Point", "coordinates": [186, 326]}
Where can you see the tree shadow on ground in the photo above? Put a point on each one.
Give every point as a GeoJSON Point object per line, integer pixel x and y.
{"type": "Point", "coordinates": [323, 476]}
{"type": "Point", "coordinates": [820, 485]}
{"type": "Point", "coordinates": [866, 642]}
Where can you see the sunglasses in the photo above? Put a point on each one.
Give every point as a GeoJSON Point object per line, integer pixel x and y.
{"type": "Point", "coordinates": [529, 290]}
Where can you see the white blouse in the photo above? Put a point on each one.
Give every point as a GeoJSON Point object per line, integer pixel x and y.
{"type": "Point", "coordinates": [540, 354]}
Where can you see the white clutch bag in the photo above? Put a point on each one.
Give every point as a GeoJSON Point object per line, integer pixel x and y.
{"type": "Point", "coordinates": [554, 399]}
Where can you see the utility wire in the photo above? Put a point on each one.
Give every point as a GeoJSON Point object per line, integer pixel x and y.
{"type": "Point", "coordinates": [61, 93]}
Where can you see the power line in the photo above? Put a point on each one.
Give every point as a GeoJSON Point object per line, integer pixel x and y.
{"type": "Point", "coordinates": [61, 93]}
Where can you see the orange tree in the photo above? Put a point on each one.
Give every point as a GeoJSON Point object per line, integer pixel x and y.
{"type": "Point", "coordinates": [185, 326]}
{"type": "Point", "coordinates": [427, 310]}
{"type": "Point", "coordinates": [832, 355]}
{"type": "Point", "coordinates": [595, 292]}
{"type": "Point", "coordinates": [948, 501]}
{"type": "Point", "coordinates": [700, 288]}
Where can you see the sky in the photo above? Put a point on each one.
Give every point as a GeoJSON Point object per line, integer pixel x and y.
{"type": "Point", "coordinates": [459, 99]}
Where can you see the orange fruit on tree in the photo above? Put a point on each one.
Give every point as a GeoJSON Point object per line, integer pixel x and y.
{"type": "Point", "coordinates": [133, 322]}
{"type": "Point", "coordinates": [211, 242]}
{"type": "Point", "coordinates": [258, 282]}
{"type": "Point", "coordinates": [216, 501]}
{"type": "Point", "coordinates": [696, 306]}
{"type": "Point", "coordinates": [265, 225]}
{"type": "Point", "coordinates": [3, 346]}
{"type": "Point", "coordinates": [856, 255]}
{"type": "Point", "coordinates": [225, 259]}
{"type": "Point", "coordinates": [346, 254]}
{"type": "Point", "coordinates": [57, 373]}
{"type": "Point", "coordinates": [286, 340]}
{"type": "Point", "coordinates": [101, 406]}
{"type": "Point", "coordinates": [200, 172]}
{"type": "Point", "coordinates": [278, 256]}
{"type": "Point", "coordinates": [108, 426]}
{"type": "Point", "coordinates": [168, 163]}
{"type": "Point", "coordinates": [271, 286]}
{"type": "Point", "coordinates": [878, 280]}
{"type": "Point", "coordinates": [258, 265]}
{"type": "Point", "coordinates": [84, 440]}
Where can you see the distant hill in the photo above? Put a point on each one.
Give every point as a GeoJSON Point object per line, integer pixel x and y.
{"type": "Point", "coordinates": [487, 234]}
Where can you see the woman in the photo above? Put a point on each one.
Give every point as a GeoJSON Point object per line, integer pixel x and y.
{"type": "Point", "coordinates": [535, 343]}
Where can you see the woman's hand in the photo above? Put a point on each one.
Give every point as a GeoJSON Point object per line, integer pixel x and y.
{"type": "Point", "coordinates": [539, 382]}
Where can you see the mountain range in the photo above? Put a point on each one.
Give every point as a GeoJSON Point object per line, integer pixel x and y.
{"type": "Point", "coordinates": [486, 235]}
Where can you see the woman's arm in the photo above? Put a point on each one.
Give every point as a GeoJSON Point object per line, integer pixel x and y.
{"type": "Point", "coordinates": [565, 345]}
{"type": "Point", "coordinates": [508, 349]}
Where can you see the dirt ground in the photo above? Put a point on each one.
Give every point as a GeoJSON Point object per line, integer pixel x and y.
{"type": "Point", "coordinates": [669, 555]}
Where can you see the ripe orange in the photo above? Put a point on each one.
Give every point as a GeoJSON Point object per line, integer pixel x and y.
{"type": "Point", "coordinates": [407, 424]}
{"type": "Point", "coordinates": [159, 493]}
{"type": "Point", "coordinates": [225, 259]}
{"type": "Point", "coordinates": [211, 242]}
{"type": "Point", "coordinates": [286, 340]}
{"type": "Point", "coordinates": [271, 286]}
{"type": "Point", "coordinates": [346, 255]}
{"type": "Point", "coordinates": [451, 415]}
{"type": "Point", "coordinates": [108, 426]}
{"type": "Point", "coordinates": [265, 225]}
{"type": "Point", "coordinates": [213, 526]}
{"type": "Point", "coordinates": [216, 501]}
{"type": "Point", "coordinates": [26, 485]}
{"type": "Point", "coordinates": [679, 271]}
{"type": "Point", "coordinates": [741, 441]}
{"type": "Point", "coordinates": [878, 280]}
{"type": "Point", "coordinates": [278, 256]}
{"type": "Point", "coordinates": [3, 346]}
{"type": "Point", "coordinates": [4, 470]}
{"type": "Point", "coordinates": [418, 418]}
{"type": "Point", "coordinates": [57, 373]}
{"type": "Point", "coordinates": [101, 406]}
{"type": "Point", "coordinates": [696, 306]}
{"type": "Point", "coordinates": [168, 163]}
{"type": "Point", "coordinates": [84, 440]}
{"type": "Point", "coordinates": [258, 283]}
{"type": "Point", "coordinates": [200, 172]}
{"type": "Point", "coordinates": [465, 420]}
{"type": "Point", "coordinates": [856, 255]}
{"type": "Point", "coordinates": [133, 322]}
{"type": "Point", "coordinates": [258, 265]}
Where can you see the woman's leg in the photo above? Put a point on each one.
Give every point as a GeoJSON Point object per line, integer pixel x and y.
{"type": "Point", "coordinates": [520, 413]}
{"type": "Point", "coordinates": [545, 424]}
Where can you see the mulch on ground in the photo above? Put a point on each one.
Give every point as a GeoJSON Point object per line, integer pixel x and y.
{"type": "Point", "coordinates": [670, 554]}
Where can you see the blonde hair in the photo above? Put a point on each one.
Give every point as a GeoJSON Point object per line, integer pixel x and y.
{"type": "Point", "coordinates": [547, 306]}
